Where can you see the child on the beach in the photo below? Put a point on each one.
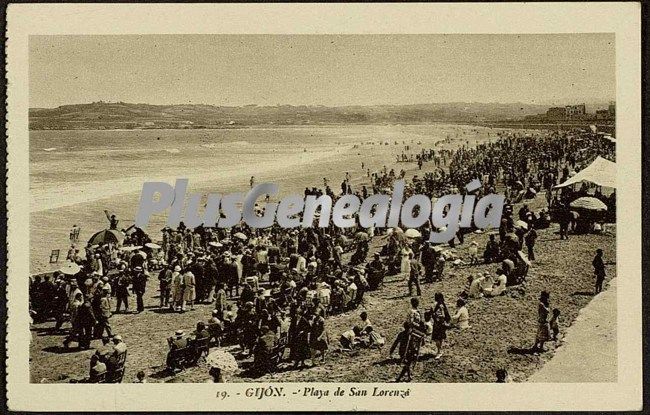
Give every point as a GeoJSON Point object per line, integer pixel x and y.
{"type": "Point", "coordinates": [555, 324]}
{"type": "Point", "coordinates": [473, 253]}
{"type": "Point", "coordinates": [140, 377]}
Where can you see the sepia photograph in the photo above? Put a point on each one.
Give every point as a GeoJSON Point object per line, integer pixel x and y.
{"type": "Point", "coordinates": [324, 207]}
{"type": "Point", "coordinates": [531, 117]}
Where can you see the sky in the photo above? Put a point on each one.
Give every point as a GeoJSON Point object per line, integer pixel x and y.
{"type": "Point", "coordinates": [331, 70]}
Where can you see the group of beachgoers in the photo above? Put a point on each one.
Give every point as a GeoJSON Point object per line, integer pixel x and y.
{"type": "Point", "coordinates": [276, 285]}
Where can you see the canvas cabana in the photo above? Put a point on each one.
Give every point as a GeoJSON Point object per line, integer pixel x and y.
{"type": "Point", "coordinates": [600, 172]}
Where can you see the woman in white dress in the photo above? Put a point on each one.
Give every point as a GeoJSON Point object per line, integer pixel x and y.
{"type": "Point", "coordinates": [405, 266]}
{"type": "Point", "coordinates": [177, 289]}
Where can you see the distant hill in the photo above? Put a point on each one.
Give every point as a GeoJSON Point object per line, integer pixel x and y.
{"type": "Point", "coordinates": [105, 115]}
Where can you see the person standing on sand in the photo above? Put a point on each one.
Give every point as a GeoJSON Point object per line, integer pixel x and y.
{"type": "Point", "coordinates": [543, 329]}
{"type": "Point", "coordinates": [112, 219]}
{"type": "Point", "coordinates": [530, 239]}
{"type": "Point", "coordinates": [165, 280]}
{"type": "Point", "coordinates": [599, 270]}
{"type": "Point", "coordinates": [189, 293]}
{"type": "Point", "coordinates": [139, 287]}
{"type": "Point", "coordinates": [103, 323]}
{"type": "Point", "coordinates": [414, 276]}
{"type": "Point", "coordinates": [441, 319]}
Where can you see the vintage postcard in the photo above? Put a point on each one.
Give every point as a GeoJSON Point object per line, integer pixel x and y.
{"type": "Point", "coordinates": [324, 207]}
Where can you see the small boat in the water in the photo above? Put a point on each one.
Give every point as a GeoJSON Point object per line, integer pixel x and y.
{"type": "Point", "coordinates": [49, 149]}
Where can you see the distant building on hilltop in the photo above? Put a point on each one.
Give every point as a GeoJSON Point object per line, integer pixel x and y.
{"type": "Point", "coordinates": [575, 111]}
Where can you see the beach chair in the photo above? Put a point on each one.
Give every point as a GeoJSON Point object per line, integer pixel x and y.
{"type": "Point", "coordinates": [413, 345]}
{"type": "Point", "coordinates": [99, 378]}
{"type": "Point", "coordinates": [177, 358]}
{"type": "Point", "coordinates": [216, 333]}
{"type": "Point", "coordinates": [199, 348]}
{"type": "Point", "coordinates": [278, 351]}
{"type": "Point", "coordinates": [54, 256]}
{"type": "Point", "coordinates": [116, 374]}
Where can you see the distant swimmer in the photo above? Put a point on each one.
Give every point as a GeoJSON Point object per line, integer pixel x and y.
{"type": "Point", "coordinates": [252, 181]}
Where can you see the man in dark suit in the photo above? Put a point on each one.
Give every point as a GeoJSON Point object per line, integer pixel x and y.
{"type": "Point", "coordinates": [139, 286]}
{"type": "Point", "coordinates": [86, 322]}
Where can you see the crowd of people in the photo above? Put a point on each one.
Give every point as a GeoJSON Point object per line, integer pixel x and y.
{"type": "Point", "coordinates": [275, 285]}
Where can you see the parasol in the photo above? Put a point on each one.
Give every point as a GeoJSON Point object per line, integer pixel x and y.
{"type": "Point", "coordinates": [241, 236]}
{"type": "Point", "coordinates": [152, 245]}
{"type": "Point", "coordinates": [521, 224]}
{"type": "Point", "coordinates": [70, 268]}
{"type": "Point", "coordinates": [588, 203]}
{"type": "Point", "coordinates": [223, 360]}
{"type": "Point", "coordinates": [215, 244]}
{"type": "Point", "coordinates": [129, 248]}
{"type": "Point", "coordinates": [362, 236]}
{"type": "Point", "coordinates": [412, 233]}
{"type": "Point", "coordinates": [106, 236]}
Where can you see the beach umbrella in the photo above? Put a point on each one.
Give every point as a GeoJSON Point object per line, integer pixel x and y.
{"type": "Point", "coordinates": [241, 236]}
{"type": "Point", "coordinates": [362, 236]}
{"type": "Point", "coordinates": [223, 360]}
{"type": "Point", "coordinates": [129, 248]}
{"type": "Point", "coordinates": [70, 268]}
{"type": "Point", "coordinates": [106, 236]}
{"type": "Point", "coordinates": [521, 224]}
{"type": "Point", "coordinates": [215, 244]}
{"type": "Point", "coordinates": [152, 245]}
{"type": "Point", "coordinates": [412, 233]}
{"type": "Point", "coordinates": [588, 203]}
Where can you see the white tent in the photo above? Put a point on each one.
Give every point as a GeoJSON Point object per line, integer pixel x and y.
{"type": "Point", "coordinates": [601, 172]}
